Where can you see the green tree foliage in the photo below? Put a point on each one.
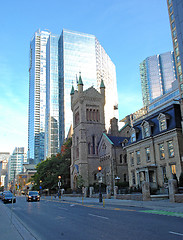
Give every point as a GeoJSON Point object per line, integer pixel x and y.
{"type": "Point", "coordinates": [49, 170]}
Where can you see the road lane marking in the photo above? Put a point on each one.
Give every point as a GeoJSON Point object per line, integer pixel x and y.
{"type": "Point", "coordinates": [97, 216]}
{"type": "Point", "coordinates": [166, 213]}
{"type": "Point", "coordinates": [180, 234]}
{"type": "Point", "coordinates": [63, 208]}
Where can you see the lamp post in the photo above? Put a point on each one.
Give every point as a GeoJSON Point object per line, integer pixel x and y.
{"type": "Point", "coordinates": [59, 185]}
{"type": "Point", "coordinates": [100, 181]}
{"type": "Point", "coordinates": [40, 187]}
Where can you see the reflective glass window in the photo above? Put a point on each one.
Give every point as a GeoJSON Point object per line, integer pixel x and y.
{"type": "Point", "coordinates": [147, 150]}
{"type": "Point", "coordinates": [180, 78]}
{"type": "Point", "coordinates": [173, 25]}
{"type": "Point", "coordinates": [132, 158]}
{"type": "Point", "coordinates": [179, 69]}
{"type": "Point", "coordinates": [171, 149]}
{"type": "Point", "coordinates": [138, 157]}
{"type": "Point", "coordinates": [170, 9]}
{"type": "Point", "coordinates": [161, 151]}
{"type": "Point", "coordinates": [174, 33]}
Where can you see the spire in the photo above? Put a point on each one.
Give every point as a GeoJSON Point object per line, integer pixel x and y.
{"type": "Point", "coordinates": [102, 84]}
{"type": "Point", "coordinates": [72, 90]}
{"type": "Point", "coordinates": [80, 82]}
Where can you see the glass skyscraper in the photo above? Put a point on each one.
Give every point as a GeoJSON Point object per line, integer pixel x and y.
{"type": "Point", "coordinates": [15, 164]}
{"type": "Point", "coordinates": [158, 73]}
{"type": "Point", "coordinates": [55, 63]}
{"type": "Point", "coordinates": [37, 96]}
{"type": "Point", "coordinates": [175, 10]}
{"type": "Point", "coordinates": [81, 52]}
{"type": "Point", "coordinates": [52, 142]}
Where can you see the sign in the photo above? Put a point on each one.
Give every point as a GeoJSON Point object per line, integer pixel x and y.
{"type": "Point", "coordinates": [59, 184]}
{"type": "Point", "coordinates": [40, 187]}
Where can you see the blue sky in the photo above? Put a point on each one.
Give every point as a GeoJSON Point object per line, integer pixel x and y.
{"type": "Point", "coordinates": [129, 31]}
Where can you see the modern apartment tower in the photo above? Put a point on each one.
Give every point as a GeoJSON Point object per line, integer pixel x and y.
{"type": "Point", "coordinates": [81, 52]}
{"type": "Point", "coordinates": [52, 140]}
{"type": "Point", "coordinates": [15, 164]}
{"type": "Point", "coordinates": [37, 96]}
{"type": "Point", "coordinates": [175, 10]}
{"type": "Point", "coordinates": [158, 76]}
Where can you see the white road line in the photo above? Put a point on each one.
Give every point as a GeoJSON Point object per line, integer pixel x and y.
{"type": "Point", "coordinates": [63, 208]}
{"type": "Point", "coordinates": [98, 216]}
{"type": "Point", "coordinates": [72, 205]}
{"type": "Point", "coordinates": [180, 234]}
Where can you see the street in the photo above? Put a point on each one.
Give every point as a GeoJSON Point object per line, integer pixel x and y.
{"type": "Point", "coordinates": [58, 219]}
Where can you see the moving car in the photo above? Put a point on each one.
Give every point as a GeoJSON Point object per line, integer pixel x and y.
{"type": "Point", "coordinates": [33, 196]}
{"type": "Point", "coordinates": [9, 197]}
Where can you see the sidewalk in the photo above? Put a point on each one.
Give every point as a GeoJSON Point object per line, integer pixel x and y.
{"type": "Point", "coordinates": [7, 229]}
{"type": "Point", "coordinates": [164, 205]}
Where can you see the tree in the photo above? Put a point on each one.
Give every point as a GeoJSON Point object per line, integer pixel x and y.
{"type": "Point", "coordinates": [49, 170]}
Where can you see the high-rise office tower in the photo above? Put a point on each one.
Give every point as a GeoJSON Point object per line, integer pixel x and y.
{"type": "Point", "coordinates": [81, 52]}
{"type": "Point", "coordinates": [53, 68]}
{"type": "Point", "coordinates": [175, 10]}
{"type": "Point", "coordinates": [37, 96]}
{"type": "Point", "coordinates": [52, 142]}
{"type": "Point", "coordinates": [15, 164]}
{"type": "Point", "coordinates": [158, 74]}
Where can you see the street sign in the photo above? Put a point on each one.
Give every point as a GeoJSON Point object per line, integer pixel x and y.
{"type": "Point", "coordinates": [99, 177]}
{"type": "Point", "coordinates": [59, 184]}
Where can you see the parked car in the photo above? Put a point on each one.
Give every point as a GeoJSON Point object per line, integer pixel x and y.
{"type": "Point", "coordinates": [33, 196]}
{"type": "Point", "coordinates": [9, 197]}
{"type": "Point", "coordinates": [1, 195]}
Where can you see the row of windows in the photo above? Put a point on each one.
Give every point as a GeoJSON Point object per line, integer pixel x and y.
{"type": "Point", "coordinates": [171, 153]}
{"type": "Point", "coordinates": [147, 127]}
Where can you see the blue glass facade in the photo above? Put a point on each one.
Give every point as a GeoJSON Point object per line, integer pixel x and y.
{"type": "Point", "coordinates": [37, 96]}
{"type": "Point", "coordinates": [52, 98]}
{"type": "Point", "coordinates": [81, 52]}
{"type": "Point", "coordinates": [157, 76]}
{"type": "Point", "coordinates": [175, 9]}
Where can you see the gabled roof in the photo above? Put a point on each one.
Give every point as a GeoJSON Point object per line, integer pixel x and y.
{"type": "Point", "coordinates": [116, 141]}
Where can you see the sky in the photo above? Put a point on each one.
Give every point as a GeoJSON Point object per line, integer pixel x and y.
{"type": "Point", "coordinates": [129, 31]}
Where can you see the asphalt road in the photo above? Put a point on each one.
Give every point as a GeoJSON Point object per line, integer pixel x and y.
{"type": "Point", "coordinates": [48, 220]}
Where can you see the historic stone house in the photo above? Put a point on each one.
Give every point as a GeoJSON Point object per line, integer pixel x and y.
{"type": "Point", "coordinates": [155, 152]}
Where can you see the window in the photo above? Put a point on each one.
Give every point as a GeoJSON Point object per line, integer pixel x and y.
{"type": "Point", "coordinates": [138, 157]}
{"type": "Point", "coordinates": [176, 51]}
{"type": "Point", "coordinates": [181, 87]}
{"type": "Point", "coordinates": [133, 178]}
{"type": "Point", "coordinates": [164, 174]}
{"type": "Point", "coordinates": [170, 149]}
{"type": "Point", "coordinates": [171, 17]}
{"type": "Point", "coordinates": [174, 33]}
{"type": "Point", "coordinates": [169, 2]}
{"type": "Point", "coordinates": [179, 69]}
{"type": "Point", "coordinates": [170, 9]}
{"type": "Point", "coordinates": [178, 59]}
{"type": "Point", "coordinates": [147, 150]}
{"type": "Point", "coordinates": [162, 124]}
{"type": "Point", "coordinates": [163, 118]}
{"type": "Point", "coordinates": [146, 128]}
{"type": "Point", "coordinates": [120, 158]}
{"type": "Point", "coordinates": [93, 143]}
{"type": "Point", "coordinates": [173, 25]}
{"type": "Point", "coordinates": [133, 137]}
{"type": "Point", "coordinates": [173, 169]}
{"type": "Point", "coordinates": [161, 151]}
{"type": "Point", "coordinates": [180, 78]}
{"type": "Point", "coordinates": [175, 42]}
{"type": "Point", "coordinates": [132, 158]}
{"type": "Point", "coordinates": [125, 178]}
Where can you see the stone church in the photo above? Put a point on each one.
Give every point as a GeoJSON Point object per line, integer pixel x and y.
{"type": "Point", "coordinates": [88, 126]}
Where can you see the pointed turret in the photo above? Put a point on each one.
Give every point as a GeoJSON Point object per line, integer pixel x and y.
{"type": "Point", "coordinates": [80, 84]}
{"type": "Point", "coordinates": [72, 90]}
{"type": "Point", "coordinates": [102, 90]}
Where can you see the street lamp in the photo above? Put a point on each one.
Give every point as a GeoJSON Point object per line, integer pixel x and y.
{"type": "Point", "coordinates": [59, 185]}
{"type": "Point", "coordinates": [40, 187]}
{"type": "Point", "coordinates": [100, 181]}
